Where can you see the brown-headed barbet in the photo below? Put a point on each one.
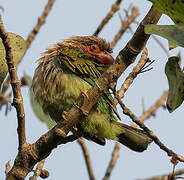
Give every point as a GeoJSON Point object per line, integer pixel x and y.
{"type": "Point", "coordinates": [70, 67]}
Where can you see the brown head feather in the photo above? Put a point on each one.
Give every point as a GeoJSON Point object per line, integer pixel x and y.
{"type": "Point", "coordinates": [79, 43]}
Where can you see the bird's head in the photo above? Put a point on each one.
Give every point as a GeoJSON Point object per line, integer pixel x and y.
{"type": "Point", "coordinates": [87, 54]}
{"type": "Point", "coordinates": [91, 47]}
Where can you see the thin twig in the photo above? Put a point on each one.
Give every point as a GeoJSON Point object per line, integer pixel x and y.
{"type": "Point", "coordinates": [15, 83]}
{"type": "Point", "coordinates": [145, 68]}
{"type": "Point", "coordinates": [152, 109]}
{"type": "Point", "coordinates": [119, 94]}
{"type": "Point", "coordinates": [38, 170]}
{"type": "Point", "coordinates": [87, 158]}
{"type": "Point", "coordinates": [8, 105]}
{"type": "Point", "coordinates": [8, 167]}
{"type": "Point", "coordinates": [150, 133]}
{"type": "Point", "coordinates": [147, 114]}
{"type": "Point", "coordinates": [143, 60]}
{"type": "Point", "coordinates": [125, 25]}
{"type": "Point", "coordinates": [5, 99]}
{"type": "Point", "coordinates": [112, 163]}
{"type": "Point", "coordinates": [5, 86]}
{"type": "Point", "coordinates": [114, 9]}
{"type": "Point", "coordinates": [29, 40]}
{"type": "Point", "coordinates": [41, 21]}
{"type": "Point", "coordinates": [128, 81]}
{"type": "Point", "coordinates": [165, 176]}
{"type": "Point", "coordinates": [144, 117]}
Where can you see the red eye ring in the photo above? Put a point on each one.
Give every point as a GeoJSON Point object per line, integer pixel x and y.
{"type": "Point", "coordinates": [93, 49]}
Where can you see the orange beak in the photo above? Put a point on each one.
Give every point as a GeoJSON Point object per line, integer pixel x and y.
{"type": "Point", "coordinates": [104, 58]}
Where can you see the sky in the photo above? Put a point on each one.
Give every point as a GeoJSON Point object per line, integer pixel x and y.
{"type": "Point", "coordinates": [69, 18]}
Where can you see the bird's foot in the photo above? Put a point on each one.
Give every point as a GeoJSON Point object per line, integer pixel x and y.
{"type": "Point", "coordinates": [84, 94]}
{"type": "Point", "coordinates": [75, 128]}
{"type": "Point", "coordinates": [64, 115]}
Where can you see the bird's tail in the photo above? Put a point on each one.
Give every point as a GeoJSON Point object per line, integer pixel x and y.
{"type": "Point", "coordinates": [131, 137]}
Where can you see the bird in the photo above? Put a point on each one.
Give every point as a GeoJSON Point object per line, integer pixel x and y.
{"type": "Point", "coordinates": [71, 67]}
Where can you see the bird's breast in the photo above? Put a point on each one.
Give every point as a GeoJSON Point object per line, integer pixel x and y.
{"type": "Point", "coordinates": [56, 89]}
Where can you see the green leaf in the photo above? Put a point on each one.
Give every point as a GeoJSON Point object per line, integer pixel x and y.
{"type": "Point", "coordinates": [173, 8]}
{"type": "Point", "coordinates": [19, 47]}
{"type": "Point", "coordinates": [175, 78]}
{"type": "Point", "coordinates": [37, 109]}
{"type": "Point", "coordinates": [174, 33]}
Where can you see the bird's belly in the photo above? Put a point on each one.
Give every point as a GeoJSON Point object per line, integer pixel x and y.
{"type": "Point", "coordinates": [64, 93]}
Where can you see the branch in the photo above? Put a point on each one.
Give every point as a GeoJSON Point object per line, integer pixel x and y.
{"type": "Point", "coordinates": [5, 100]}
{"type": "Point", "coordinates": [5, 87]}
{"type": "Point", "coordinates": [114, 9]}
{"type": "Point", "coordinates": [112, 163]}
{"type": "Point", "coordinates": [8, 167]}
{"type": "Point", "coordinates": [87, 158]}
{"type": "Point", "coordinates": [30, 38]}
{"type": "Point", "coordinates": [41, 21]}
{"type": "Point", "coordinates": [120, 94]}
{"type": "Point", "coordinates": [33, 153]}
{"type": "Point", "coordinates": [152, 109]}
{"type": "Point", "coordinates": [150, 133]}
{"type": "Point", "coordinates": [15, 83]}
{"type": "Point", "coordinates": [129, 80]}
{"type": "Point", "coordinates": [144, 116]}
{"type": "Point", "coordinates": [38, 170]}
{"type": "Point", "coordinates": [147, 114]}
{"type": "Point", "coordinates": [165, 176]}
{"type": "Point", "coordinates": [125, 25]}
{"type": "Point", "coordinates": [137, 69]}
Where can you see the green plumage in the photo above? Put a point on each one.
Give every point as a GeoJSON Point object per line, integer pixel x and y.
{"type": "Point", "coordinates": [72, 66]}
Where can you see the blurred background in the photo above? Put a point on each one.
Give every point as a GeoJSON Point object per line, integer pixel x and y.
{"type": "Point", "coordinates": [69, 18]}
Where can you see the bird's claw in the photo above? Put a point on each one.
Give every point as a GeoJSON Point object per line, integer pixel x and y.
{"type": "Point", "coordinates": [75, 128]}
{"type": "Point", "coordinates": [64, 114]}
{"type": "Point", "coordinates": [84, 94]}
{"type": "Point", "coordinates": [64, 117]}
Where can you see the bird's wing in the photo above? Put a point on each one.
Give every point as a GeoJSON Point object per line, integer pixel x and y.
{"type": "Point", "coordinates": [90, 72]}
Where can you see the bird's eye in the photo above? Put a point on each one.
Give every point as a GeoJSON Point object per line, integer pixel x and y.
{"type": "Point", "coordinates": [93, 49]}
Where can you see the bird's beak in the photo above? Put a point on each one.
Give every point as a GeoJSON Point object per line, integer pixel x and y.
{"type": "Point", "coordinates": [104, 58]}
